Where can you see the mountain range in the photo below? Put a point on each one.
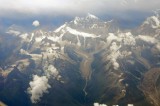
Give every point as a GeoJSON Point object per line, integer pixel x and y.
{"type": "Point", "coordinates": [84, 62]}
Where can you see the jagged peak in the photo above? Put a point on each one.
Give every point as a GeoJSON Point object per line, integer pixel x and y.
{"type": "Point", "coordinates": [88, 17]}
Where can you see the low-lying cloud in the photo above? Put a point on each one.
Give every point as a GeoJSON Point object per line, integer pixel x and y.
{"type": "Point", "coordinates": [97, 104]}
{"type": "Point", "coordinates": [38, 87]}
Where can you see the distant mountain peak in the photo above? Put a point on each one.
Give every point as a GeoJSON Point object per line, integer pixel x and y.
{"type": "Point", "coordinates": [88, 17]}
{"type": "Point", "coordinates": [91, 16]}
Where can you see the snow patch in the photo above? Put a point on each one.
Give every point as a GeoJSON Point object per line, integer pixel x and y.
{"type": "Point", "coordinates": [32, 35]}
{"type": "Point", "coordinates": [24, 36]}
{"type": "Point", "coordinates": [90, 16]}
{"type": "Point", "coordinates": [54, 38]}
{"type": "Point", "coordinates": [75, 32]}
{"type": "Point", "coordinates": [39, 39]}
{"type": "Point", "coordinates": [78, 43]}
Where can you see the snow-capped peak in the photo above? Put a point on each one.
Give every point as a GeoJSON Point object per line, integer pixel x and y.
{"type": "Point", "coordinates": [90, 16]}
{"type": "Point", "coordinates": [61, 27]}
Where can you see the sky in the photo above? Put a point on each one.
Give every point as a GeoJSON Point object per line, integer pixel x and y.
{"type": "Point", "coordinates": [57, 11]}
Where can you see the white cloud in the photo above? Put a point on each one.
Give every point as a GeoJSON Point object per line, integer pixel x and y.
{"type": "Point", "coordinates": [36, 23]}
{"type": "Point", "coordinates": [114, 55]}
{"type": "Point", "coordinates": [38, 86]}
{"type": "Point", "coordinates": [51, 71]}
{"type": "Point", "coordinates": [130, 105]}
{"type": "Point", "coordinates": [115, 64]}
{"type": "Point", "coordinates": [112, 37]}
{"type": "Point", "coordinates": [97, 104]}
{"type": "Point", "coordinates": [128, 38]}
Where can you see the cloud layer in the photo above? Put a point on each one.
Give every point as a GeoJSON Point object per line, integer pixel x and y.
{"type": "Point", "coordinates": [71, 7]}
{"type": "Point", "coordinates": [56, 12]}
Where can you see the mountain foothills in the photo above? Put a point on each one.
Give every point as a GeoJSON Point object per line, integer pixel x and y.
{"type": "Point", "coordinates": [84, 62]}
